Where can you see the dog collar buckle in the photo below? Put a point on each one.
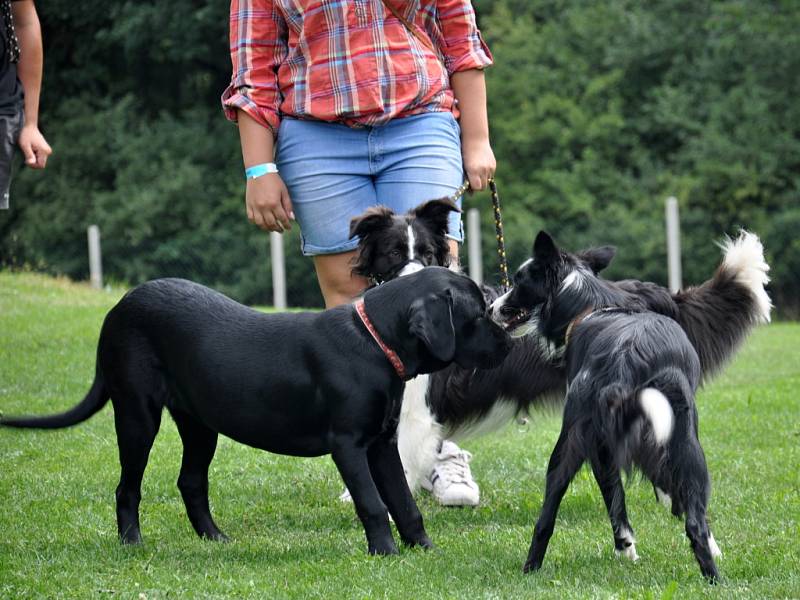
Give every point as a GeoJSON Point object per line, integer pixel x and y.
{"type": "Point", "coordinates": [391, 355]}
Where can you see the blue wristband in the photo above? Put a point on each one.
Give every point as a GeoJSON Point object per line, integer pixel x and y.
{"type": "Point", "coordinates": [259, 170]}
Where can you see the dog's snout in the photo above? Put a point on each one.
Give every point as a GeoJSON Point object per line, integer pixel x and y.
{"type": "Point", "coordinates": [508, 311]}
{"type": "Point", "coordinates": [411, 267]}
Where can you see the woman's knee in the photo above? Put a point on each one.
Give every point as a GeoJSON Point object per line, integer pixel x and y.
{"type": "Point", "coordinates": [336, 280]}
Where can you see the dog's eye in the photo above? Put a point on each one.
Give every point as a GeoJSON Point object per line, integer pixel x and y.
{"type": "Point", "coordinates": [429, 254]}
{"type": "Point", "coordinates": [394, 253]}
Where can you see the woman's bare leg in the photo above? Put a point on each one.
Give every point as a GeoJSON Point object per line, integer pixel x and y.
{"type": "Point", "coordinates": [336, 282]}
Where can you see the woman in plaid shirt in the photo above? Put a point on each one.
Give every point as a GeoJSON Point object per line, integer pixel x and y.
{"type": "Point", "coordinates": [359, 110]}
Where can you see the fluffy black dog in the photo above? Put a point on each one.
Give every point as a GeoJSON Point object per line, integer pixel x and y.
{"type": "Point", "coordinates": [303, 384]}
{"type": "Point", "coordinates": [632, 376]}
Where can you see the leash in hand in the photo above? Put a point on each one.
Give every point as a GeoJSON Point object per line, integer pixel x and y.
{"type": "Point", "coordinates": [498, 226]}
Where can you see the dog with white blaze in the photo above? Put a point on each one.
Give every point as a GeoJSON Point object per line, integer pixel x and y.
{"type": "Point", "coordinates": [632, 375]}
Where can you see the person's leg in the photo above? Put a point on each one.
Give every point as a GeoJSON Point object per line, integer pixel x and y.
{"type": "Point", "coordinates": [337, 284]}
{"type": "Point", "coordinates": [416, 159]}
{"type": "Point", "coordinates": [326, 170]}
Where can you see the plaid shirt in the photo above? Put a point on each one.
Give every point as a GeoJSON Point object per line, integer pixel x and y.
{"type": "Point", "coordinates": [347, 61]}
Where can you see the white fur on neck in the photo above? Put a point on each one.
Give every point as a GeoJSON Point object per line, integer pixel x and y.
{"type": "Point", "coordinates": [658, 411]}
{"type": "Point", "coordinates": [745, 257]}
{"type": "Point", "coordinates": [574, 279]}
{"type": "Point", "coordinates": [418, 433]}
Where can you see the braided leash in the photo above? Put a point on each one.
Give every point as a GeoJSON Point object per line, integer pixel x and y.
{"type": "Point", "coordinates": [498, 226]}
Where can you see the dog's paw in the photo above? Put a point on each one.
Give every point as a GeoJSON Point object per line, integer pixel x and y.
{"type": "Point", "coordinates": [531, 566]}
{"type": "Point", "coordinates": [385, 548]}
{"type": "Point", "coordinates": [423, 542]}
{"type": "Point", "coordinates": [628, 552]}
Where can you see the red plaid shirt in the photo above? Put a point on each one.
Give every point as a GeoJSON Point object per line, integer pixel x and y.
{"type": "Point", "coordinates": [349, 61]}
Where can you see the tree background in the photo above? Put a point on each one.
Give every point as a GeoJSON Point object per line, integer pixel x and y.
{"type": "Point", "coordinates": [599, 111]}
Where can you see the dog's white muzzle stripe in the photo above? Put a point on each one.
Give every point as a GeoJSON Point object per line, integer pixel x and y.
{"type": "Point", "coordinates": [410, 268]}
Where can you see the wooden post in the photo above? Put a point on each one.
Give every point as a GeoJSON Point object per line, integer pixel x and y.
{"type": "Point", "coordinates": [95, 259]}
{"type": "Point", "coordinates": [278, 270]}
{"type": "Point", "coordinates": [474, 245]}
{"type": "Point", "coordinates": [673, 245]}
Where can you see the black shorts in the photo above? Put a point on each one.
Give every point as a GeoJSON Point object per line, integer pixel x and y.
{"type": "Point", "coordinates": [10, 126]}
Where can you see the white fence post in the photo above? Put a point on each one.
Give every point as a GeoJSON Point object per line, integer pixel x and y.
{"type": "Point", "coordinates": [474, 245]}
{"type": "Point", "coordinates": [673, 245]}
{"type": "Point", "coordinates": [278, 270]}
{"type": "Point", "coordinates": [95, 259]}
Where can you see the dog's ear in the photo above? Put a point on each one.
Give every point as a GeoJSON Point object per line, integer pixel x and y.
{"type": "Point", "coordinates": [598, 259]}
{"type": "Point", "coordinates": [431, 320]}
{"type": "Point", "coordinates": [372, 220]}
{"type": "Point", "coordinates": [544, 248]}
{"type": "Point", "coordinates": [436, 213]}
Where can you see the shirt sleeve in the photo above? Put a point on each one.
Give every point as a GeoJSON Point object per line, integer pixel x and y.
{"type": "Point", "coordinates": [258, 45]}
{"type": "Point", "coordinates": [462, 45]}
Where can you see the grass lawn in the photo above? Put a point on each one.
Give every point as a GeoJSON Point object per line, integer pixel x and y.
{"type": "Point", "coordinates": [293, 538]}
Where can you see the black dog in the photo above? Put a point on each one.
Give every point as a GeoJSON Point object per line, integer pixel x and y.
{"type": "Point", "coordinates": [303, 384]}
{"type": "Point", "coordinates": [456, 403]}
{"type": "Point", "coordinates": [632, 376]}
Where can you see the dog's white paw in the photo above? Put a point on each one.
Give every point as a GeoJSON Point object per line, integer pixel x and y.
{"type": "Point", "coordinates": [629, 553]}
{"type": "Point", "coordinates": [629, 545]}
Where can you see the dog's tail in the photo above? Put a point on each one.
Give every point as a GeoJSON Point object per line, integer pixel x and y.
{"type": "Point", "coordinates": [719, 314]}
{"type": "Point", "coordinates": [95, 399]}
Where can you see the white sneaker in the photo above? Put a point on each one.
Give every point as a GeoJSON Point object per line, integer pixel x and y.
{"type": "Point", "coordinates": [451, 481]}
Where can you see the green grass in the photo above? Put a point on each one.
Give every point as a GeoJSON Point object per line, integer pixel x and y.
{"type": "Point", "coordinates": [293, 538]}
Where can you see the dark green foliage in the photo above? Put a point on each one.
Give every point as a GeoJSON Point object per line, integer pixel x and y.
{"type": "Point", "coordinates": [599, 111]}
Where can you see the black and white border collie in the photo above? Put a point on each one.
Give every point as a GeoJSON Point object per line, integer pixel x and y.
{"type": "Point", "coordinates": [457, 404]}
{"type": "Point", "coordinates": [632, 375]}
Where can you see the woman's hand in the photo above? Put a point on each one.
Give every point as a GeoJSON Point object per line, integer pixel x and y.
{"type": "Point", "coordinates": [479, 162]}
{"type": "Point", "coordinates": [268, 203]}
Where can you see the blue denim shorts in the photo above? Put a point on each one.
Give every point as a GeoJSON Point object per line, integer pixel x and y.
{"type": "Point", "coordinates": [335, 172]}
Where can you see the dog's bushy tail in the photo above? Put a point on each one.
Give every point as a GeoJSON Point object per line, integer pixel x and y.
{"type": "Point", "coordinates": [95, 399]}
{"type": "Point", "coordinates": [719, 314]}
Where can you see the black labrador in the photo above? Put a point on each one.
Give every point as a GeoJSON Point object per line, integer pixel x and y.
{"type": "Point", "coordinates": [302, 384]}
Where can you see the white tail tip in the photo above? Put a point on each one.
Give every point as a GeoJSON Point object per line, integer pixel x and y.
{"type": "Point", "coordinates": [658, 411]}
{"type": "Point", "coordinates": [744, 255]}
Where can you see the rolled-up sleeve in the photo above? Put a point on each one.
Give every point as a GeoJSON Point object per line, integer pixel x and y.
{"type": "Point", "coordinates": [258, 44]}
{"type": "Point", "coordinates": [462, 44]}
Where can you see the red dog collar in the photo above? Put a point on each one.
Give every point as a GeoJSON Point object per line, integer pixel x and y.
{"type": "Point", "coordinates": [390, 354]}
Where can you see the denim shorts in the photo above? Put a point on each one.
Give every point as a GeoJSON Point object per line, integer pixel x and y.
{"type": "Point", "coordinates": [335, 172]}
